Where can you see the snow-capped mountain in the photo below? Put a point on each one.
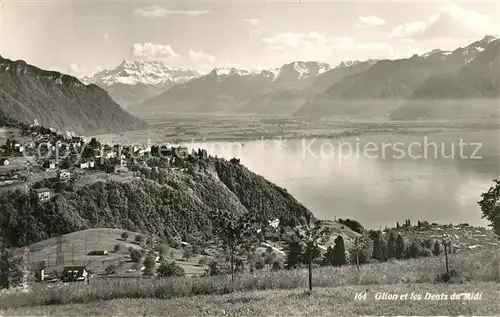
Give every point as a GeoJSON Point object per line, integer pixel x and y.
{"type": "Point", "coordinates": [133, 82]}
{"type": "Point", "coordinates": [149, 72]}
{"type": "Point", "coordinates": [389, 83]}
{"type": "Point", "coordinates": [228, 89]}
{"type": "Point", "coordinates": [469, 52]}
{"type": "Point", "coordinates": [295, 72]}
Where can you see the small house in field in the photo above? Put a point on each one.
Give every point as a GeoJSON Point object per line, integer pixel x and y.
{"type": "Point", "coordinates": [38, 268]}
{"type": "Point", "coordinates": [74, 274]}
{"type": "Point", "coordinates": [4, 162]}
{"type": "Point", "coordinates": [64, 176]}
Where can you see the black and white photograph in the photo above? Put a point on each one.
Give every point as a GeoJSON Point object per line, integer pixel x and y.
{"type": "Point", "coordinates": [251, 158]}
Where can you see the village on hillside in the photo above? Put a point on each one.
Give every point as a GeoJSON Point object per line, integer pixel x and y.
{"type": "Point", "coordinates": [36, 154]}
{"type": "Point", "coordinates": [33, 160]}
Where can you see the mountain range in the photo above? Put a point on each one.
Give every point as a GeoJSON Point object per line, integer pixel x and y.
{"type": "Point", "coordinates": [59, 101]}
{"type": "Point", "coordinates": [381, 88]}
{"type": "Point", "coordinates": [461, 84]}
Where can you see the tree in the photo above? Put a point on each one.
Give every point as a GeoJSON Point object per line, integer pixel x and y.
{"type": "Point", "coordinates": [310, 234]}
{"type": "Point", "coordinates": [329, 256]}
{"type": "Point", "coordinates": [187, 252]}
{"type": "Point", "coordinates": [163, 249]}
{"type": "Point", "coordinates": [195, 249]}
{"type": "Point", "coordinates": [414, 250]}
{"type": "Point", "coordinates": [335, 256]}
{"type": "Point", "coordinates": [234, 230]}
{"type": "Point", "coordinates": [216, 268]}
{"type": "Point", "coordinates": [391, 245]}
{"type": "Point", "coordinates": [135, 254]}
{"type": "Point", "coordinates": [139, 239]}
{"type": "Point", "coordinates": [400, 248]}
{"type": "Point", "coordinates": [490, 206]}
{"type": "Point", "coordinates": [437, 248]}
{"type": "Point", "coordinates": [149, 265]}
{"type": "Point", "coordinates": [293, 250]}
{"type": "Point", "coordinates": [10, 270]}
{"type": "Point", "coordinates": [117, 247]}
{"type": "Point", "coordinates": [170, 270]}
{"type": "Point", "coordinates": [380, 250]}
{"type": "Point", "coordinates": [339, 252]}
{"type": "Point", "coordinates": [362, 250]}
{"type": "Point", "coordinates": [352, 224]}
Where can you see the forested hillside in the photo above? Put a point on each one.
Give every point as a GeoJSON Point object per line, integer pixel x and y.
{"type": "Point", "coordinates": [171, 202]}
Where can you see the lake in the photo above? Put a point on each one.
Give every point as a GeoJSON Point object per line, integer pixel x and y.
{"type": "Point", "coordinates": [379, 179]}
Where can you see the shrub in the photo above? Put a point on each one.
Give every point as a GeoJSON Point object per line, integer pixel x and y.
{"type": "Point", "coordinates": [110, 269]}
{"type": "Point", "coordinates": [139, 239]}
{"type": "Point", "coordinates": [170, 269]}
{"type": "Point", "coordinates": [195, 250]}
{"type": "Point", "coordinates": [135, 254]}
{"type": "Point", "coordinates": [217, 268]}
{"type": "Point", "coordinates": [449, 277]}
{"type": "Point", "coordinates": [278, 264]}
{"type": "Point", "coordinates": [202, 261]}
{"type": "Point", "coordinates": [117, 247]}
{"type": "Point", "coordinates": [352, 224]}
{"type": "Point", "coordinates": [187, 253]}
{"type": "Point", "coordinates": [437, 248]}
{"type": "Point", "coordinates": [163, 249]}
{"type": "Point", "coordinates": [149, 265]}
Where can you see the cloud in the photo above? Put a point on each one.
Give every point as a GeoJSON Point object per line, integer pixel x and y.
{"type": "Point", "coordinates": [200, 57]}
{"type": "Point", "coordinates": [75, 70]}
{"type": "Point", "coordinates": [154, 12]}
{"type": "Point", "coordinates": [313, 46]}
{"type": "Point", "coordinates": [316, 46]}
{"type": "Point", "coordinates": [151, 50]}
{"type": "Point", "coordinates": [368, 21]}
{"type": "Point", "coordinates": [252, 21]}
{"type": "Point", "coordinates": [450, 21]}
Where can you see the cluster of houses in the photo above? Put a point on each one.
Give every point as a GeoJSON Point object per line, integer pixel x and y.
{"type": "Point", "coordinates": [69, 154]}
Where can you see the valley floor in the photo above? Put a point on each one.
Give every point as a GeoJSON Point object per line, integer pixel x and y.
{"type": "Point", "coordinates": [338, 301]}
{"type": "Point", "coordinates": [178, 129]}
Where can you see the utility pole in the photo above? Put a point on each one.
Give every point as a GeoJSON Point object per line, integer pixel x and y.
{"type": "Point", "coordinates": [27, 267]}
{"type": "Point", "coordinates": [27, 254]}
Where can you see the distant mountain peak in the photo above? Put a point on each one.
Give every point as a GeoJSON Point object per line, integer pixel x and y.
{"type": "Point", "coordinates": [229, 71]}
{"type": "Point", "coordinates": [490, 38]}
{"type": "Point", "coordinates": [298, 70]}
{"type": "Point", "coordinates": [59, 100]}
{"type": "Point", "coordinates": [147, 72]}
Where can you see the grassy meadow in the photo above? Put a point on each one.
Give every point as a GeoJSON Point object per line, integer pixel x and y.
{"type": "Point", "coordinates": [338, 301]}
{"type": "Point", "coordinates": [479, 270]}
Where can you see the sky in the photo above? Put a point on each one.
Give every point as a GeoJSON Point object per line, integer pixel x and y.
{"type": "Point", "coordinates": [82, 37]}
